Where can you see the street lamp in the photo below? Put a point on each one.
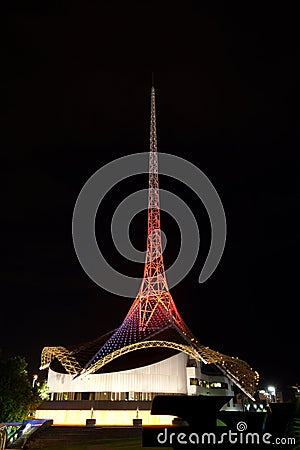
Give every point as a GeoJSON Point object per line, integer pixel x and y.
{"type": "Point", "coordinates": [35, 377]}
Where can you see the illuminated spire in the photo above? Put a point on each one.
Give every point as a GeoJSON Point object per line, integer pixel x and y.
{"type": "Point", "coordinates": [153, 309]}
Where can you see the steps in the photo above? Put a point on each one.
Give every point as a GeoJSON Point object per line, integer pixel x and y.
{"type": "Point", "coordinates": [66, 435]}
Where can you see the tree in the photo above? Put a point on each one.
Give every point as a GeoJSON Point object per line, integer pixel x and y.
{"type": "Point", "coordinates": [43, 390]}
{"type": "Point", "coordinates": [17, 397]}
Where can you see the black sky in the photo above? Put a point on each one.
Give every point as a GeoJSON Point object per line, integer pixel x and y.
{"type": "Point", "coordinates": [78, 86]}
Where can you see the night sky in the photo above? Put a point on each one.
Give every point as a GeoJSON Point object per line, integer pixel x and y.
{"type": "Point", "coordinates": [227, 90]}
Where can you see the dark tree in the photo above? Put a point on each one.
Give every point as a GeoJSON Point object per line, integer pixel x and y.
{"type": "Point", "coordinates": [17, 397]}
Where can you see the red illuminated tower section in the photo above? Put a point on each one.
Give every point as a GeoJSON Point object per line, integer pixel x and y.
{"type": "Point", "coordinates": [154, 304]}
{"type": "Point", "coordinates": [154, 290]}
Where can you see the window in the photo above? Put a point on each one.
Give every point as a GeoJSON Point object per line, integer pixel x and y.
{"type": "Point", "coordinates": [194, 381]}
{"type": "Point", "coordinates": [218, 384]}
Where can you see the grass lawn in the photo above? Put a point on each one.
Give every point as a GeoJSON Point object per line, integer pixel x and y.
{"type": "Point", "coordinates": [107, 444]}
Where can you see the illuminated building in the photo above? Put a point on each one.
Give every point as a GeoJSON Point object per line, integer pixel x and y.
{"type": "Point", "coordinates": [152, 352]}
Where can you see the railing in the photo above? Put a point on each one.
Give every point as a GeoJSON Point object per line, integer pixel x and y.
{"type": "Point", "coordinates": [16, 434]}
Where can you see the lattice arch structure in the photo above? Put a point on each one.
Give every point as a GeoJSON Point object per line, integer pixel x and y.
{"type": "Point", "coordinates": [139, 346]}
{"type": "Point", "coordinates": [63, 355]}
{"type": "Point", "coordinates": [235, 369]}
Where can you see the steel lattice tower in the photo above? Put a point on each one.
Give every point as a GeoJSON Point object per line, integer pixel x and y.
{"type": "Point", "coordinates": [154, 305]}
{"type": "Point", "coordinates": [154, 309]}
{"type": "Point", "coordinates": [153, 319]}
